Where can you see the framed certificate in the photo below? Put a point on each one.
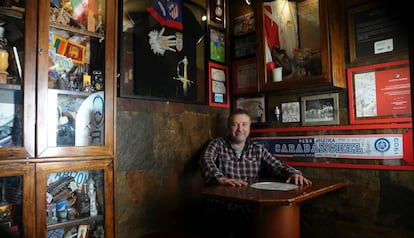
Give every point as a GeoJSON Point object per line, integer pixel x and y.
{"type": "Point", "coordinates": [218, 85]}
{"type": "Point", "coordinates": [245, 76]}
{"type": "Point", "coordinates": [380, 93]}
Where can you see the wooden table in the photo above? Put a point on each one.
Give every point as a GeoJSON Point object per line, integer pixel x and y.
{"type": "Point", "coordinates": [276, 213]}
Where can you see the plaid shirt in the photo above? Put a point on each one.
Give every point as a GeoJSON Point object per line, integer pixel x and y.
{"type": "Point", "coordinates": [219, 160]}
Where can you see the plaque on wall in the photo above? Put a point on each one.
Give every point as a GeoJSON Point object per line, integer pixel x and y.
{"type": "Point", "coordinates": [375, 30]}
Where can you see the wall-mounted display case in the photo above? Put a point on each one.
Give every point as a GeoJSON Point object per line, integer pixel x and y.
{"type": "Point", "coordinates": [304, 40]}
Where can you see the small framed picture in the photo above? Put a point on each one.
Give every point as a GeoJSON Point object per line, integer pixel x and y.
{"type": "Point", "coordinates": [320, 110]}
{"type": "Point", "coordinates": [244, 46]}
{"type": "Point", "coordinates": [82, 231]}
{"type": "Point", "coordinates": [380, 93]}
{"type": "Point", "coordinates": [218, 85]}
{"type": "Point", "coordinates": [256, 106]}
{"type": "Point", "coordinates": [244, 24]}
{"type": "Point", "coordinates": [217, 13]}
{"type": "Point", "coordinates": [245, 76]}
{"type": "Point", "coordinates": [217, 45]}
{"type": "Point", "coordinates": [290, 112]}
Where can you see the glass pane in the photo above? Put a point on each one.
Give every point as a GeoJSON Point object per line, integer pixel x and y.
{"type": "Point", "coordinates": [11, 54]}
{"type": "Point", "coordinates": [292, 32]}
{"type": "Point", "coordinates": [75, 203]}
{"type": "Point", "coordinates": [76, 73]}
{"type": "Point", "coordinates": [11, 204]}
{"type": "Point", "coordinates": [149, 69]}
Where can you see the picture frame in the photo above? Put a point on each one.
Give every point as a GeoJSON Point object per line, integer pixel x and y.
{"type": "Point", "coordinates": [256, 105]}
{"type": "Point", "coordinates": [217, 45]}
{"type": "Point", "coordinates": [218, 85]}
{"type": "Point", "coordinates": [380, 93]}
{"type": "Point", "coordinates": [217, 13]}
{"type": "Point", "coordinates": [244, 46]}
{"type": "Point", "coordinates": [177, 74]}
{"type": "Point", "coordinates": [317, 110]}
{"type": "Point", "coordinates": [290, 112]}
{"type": "Point", "coordinates": [365, 38]}
{"type": "Point", "coordinates": [245, 76]}
{"type": "Point", "coordinates": [244, 24]}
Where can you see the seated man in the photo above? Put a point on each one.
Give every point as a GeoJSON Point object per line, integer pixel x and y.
{"type": "Point", "coordinates": [236, 160]}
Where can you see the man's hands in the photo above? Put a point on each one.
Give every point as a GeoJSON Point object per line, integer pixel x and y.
{"type": "Point", "coordinates": [231, 182]}
{"type": "Point", "coordinates": [298, 180]}
{"type": "Point", "coordinates": [294, 178]}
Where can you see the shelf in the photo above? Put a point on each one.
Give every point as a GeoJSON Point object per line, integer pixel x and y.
{"type": "Point", "coordinates": [11, 86]}
{"type": "Point", "coordinates": [69, 92]}
{"type": "Point", "coordinates": [15, 12]}
{"type": "Point", "coordinates": [101, 37]}
{"type": "Point", "coordinates": [76, 222]}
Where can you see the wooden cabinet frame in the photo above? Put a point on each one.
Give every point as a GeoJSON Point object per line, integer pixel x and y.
{"type": "Point", "coordinates": [332, 37]}
{"type": "Point", "coordinates": [43, 169]}
{"type": "Point", "coordinates": [27, 172]}
{"type": "Point", "coordinates": [43, 149]}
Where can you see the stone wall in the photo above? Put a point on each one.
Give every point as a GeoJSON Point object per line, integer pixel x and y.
{"type": "Point", "coordinates": [158, 178]}
{"type": "Point", "coordinates": [159, 181]}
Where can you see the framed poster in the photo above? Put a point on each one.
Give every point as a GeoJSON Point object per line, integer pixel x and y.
{"type": "Point", "coordinates": [380, 93]}
{"type": "Point", "coordinates": [256, 106]}
{"type": "Point", "coordinates": [217, 45]}
{"type": "Point", "coordinates": [218, 85]}
{"type": "Point", "coordinates": [244, 76]}
{"type": "Point", "coordinates": [217, 13]}
{"type": "Point", "coordinates": [321, 109]}
{"type": "Point", "coordinates": [376, 29]}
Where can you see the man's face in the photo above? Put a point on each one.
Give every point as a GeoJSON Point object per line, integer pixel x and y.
{"type": "Point", "coordinates": [239, 128]}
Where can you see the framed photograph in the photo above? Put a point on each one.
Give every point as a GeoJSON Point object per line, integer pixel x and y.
{"type": "Point", "coordinates": [217, 13]}
{"type": "Point", "coordinates": [244, 46]}
{"type": "Point", "coordinates": [368, 36]}
{"type": "Point", "coordinates": [290, 112]}
{"type": "Point", "coordinates": [244, 76]}
{"type": "Point", "coordinates": [255, 105]}
{"type": "Point", "coordinates": [218, 85]}
{"type": "Point", "coordinates": [380, 93]}
{"type": "Point", "coordinates": [217, 45]}
{"type": "Point", "coordinates": [244, 24]}
{"type": "Point", "coordinates": [320, 110]}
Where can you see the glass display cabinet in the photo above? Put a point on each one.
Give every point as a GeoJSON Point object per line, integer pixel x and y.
{"type": "Point", "coordinates": [76, 78]}
{"type": "Point", "coordinates": [17, 94]}
{"type": "Point", "coordinates": [16, 197]}
{"type": "Point", "coordinates": [301, 45]}
{"type": "Point", "coordinates": [74, 199]}
{"type": "Point", "coordinates": [57, 100]}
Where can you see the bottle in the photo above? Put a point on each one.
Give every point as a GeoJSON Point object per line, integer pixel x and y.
{"type": "Point", "coordinates": [4, 55]}
{"type": "Point", "coordinates": [84, 202]}
{"type": "Point", "coordinates": [93, 210]}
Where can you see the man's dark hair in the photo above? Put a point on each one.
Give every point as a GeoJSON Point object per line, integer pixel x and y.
{"type": "Point", "coordinates": [237, 111]}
